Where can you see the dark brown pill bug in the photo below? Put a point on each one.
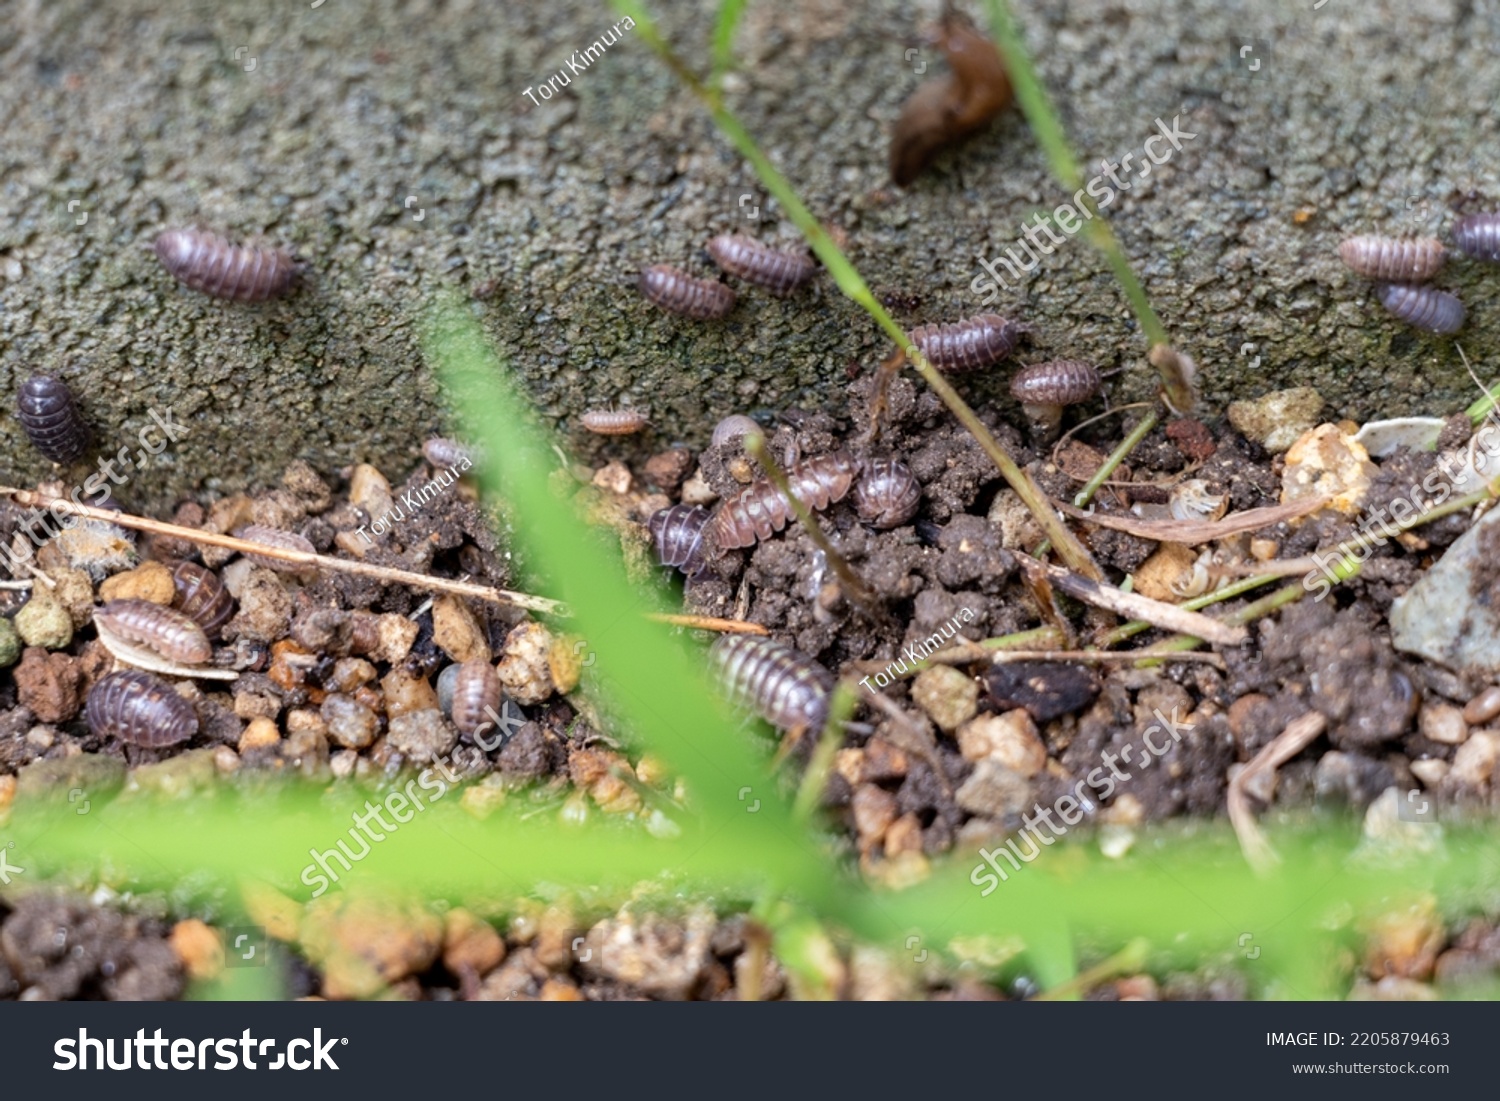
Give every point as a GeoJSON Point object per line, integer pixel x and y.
{"type": "Point", "coordinates": [1422, 307]}
{"type": "Point", "coordinates": [678, 292]}
{"type": "Point", "coordinates": [202, 597]}
{"type": "Point", "coordinates": [445, 453]}
{"type": "Point", "coordinates": [887, 494]}
{"type": "Point", "coordinates": [760, 508]}
{"type": "Point", "coordinates": [779, 272]}
{"type": "Point", "coordinates": [614, 422]}
{"type": "Point", "coordinates": [1394, 259]}
{"type": "Point", "coordinates": [50, 417]}
{"type": "Point", "coordinates": [1044, 388]}
{"type": "Point", "coordinates": [1478, 236]}
{"type": "Point", "coordinates": [476, 696]}
{"type": "Point", "coordinates": [207, 262]}
{"type": "Point", "coordinates": [1483, 707]}
{"type": "Point", "coordinates": [141, 709]}
{"type": "Point", "coordinates": [273, 537]}
{"type": "Point", "coordinates": [968, 345]}
{"type": "Point", "coordinates": [677, 534]}
{"type": "Point", "coordinates": [160, 629]}
{"type": "Point", "coordinates": [785, 688]}
{"type": "Point", "coordinates": [734, 427]}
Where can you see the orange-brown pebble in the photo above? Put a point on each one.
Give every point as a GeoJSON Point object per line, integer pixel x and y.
{"type": "Point", "coordinates": [1483, 707]}
{"type": "Point", "coordinates": [199, 947]}
{"type": "Point", "coordinates": [470, 944]}
{"type": "Point", "coordinates": [559, 990]}
{"type": "Point", "coordinates": [149, 581]}
{"type": "Point", "coordinates": [406, 693]}
{"type": "Point", "coordinates": [259, 733]}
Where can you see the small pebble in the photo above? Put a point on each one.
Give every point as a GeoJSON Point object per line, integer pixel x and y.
{"type": "Point", "coordinates": [1442, 722]}
{"type": "Point", "coordinates": [149, 581]}
{"type": "Point", "coordinates": [350, 723]}
{"type": "Point", "coordinates": [199, 947]}
{"type": "Point", "coordinates": [259, 733]}
{"type": "Point", "coordinates": [422, 735]}
{"type": "Point", "coordinates": [947, 695]}
{"type": "Point", "coordinates": [1478, 711]}
{"type": "Point", "coordinates": [1276, 420]}
{"type": "Point", "coordinates": [994, 791]}
{"type": "Point", "coordinates": [1010, 738]}
{"type": "Point", "coordinates": [10, 643]}
{"type": "Point", "coordinates": [405, 692]}
{"type": "Point", "coordinates": [44, 622]}
{"type": "Point", "coordinates": [457, 631]}
{"type": "Point", "coordinates": [1474, 762]}
{"type": "Point", "coordinates": [524, 670]}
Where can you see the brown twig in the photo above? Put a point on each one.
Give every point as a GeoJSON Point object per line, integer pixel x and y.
{"type": "Point", "coordinates": [708, 623]}
{"type": "Point", "coordinates": [1193, 532]}
{"type": "Point", "coordinates": [1297, 736]}
{"type": "Point", "coordinates": [1086, 656]}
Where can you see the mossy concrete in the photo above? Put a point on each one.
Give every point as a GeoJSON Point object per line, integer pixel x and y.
{"type": "Point", "coordinates": [1361, 118]}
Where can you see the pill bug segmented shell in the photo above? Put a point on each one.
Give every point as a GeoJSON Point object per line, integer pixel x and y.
{"type": "Point", "coordinates": [1422, 307]}
{"type": "Point", "coordinates": [778, 271]}
{"type": "Point", "coordinates": [164, 631]}
{"type": "Point", "coordinates": [887, 494]}
{"type": "Point", "coordinates": [443, 452]}
{"type": "Point", "coordinates": [785, 688]}
{"type": "Point", "coordinates": [273, 537]}
{"type": "Point", "coordinates": [1055, 382]}
{"type": "Point", "coordinates": [476, 693]}
{"type": "Point", "coordinates": [206, 262]}
{"type": "Point", "coordinates": [614, 422]}
{"type": "Point", "coordinates": [1394, 259]}
{"type": "Point", "coordinates": [202, 597]}
{"type": "Point", "coordinates": [677, 534]}
{"type": "Point", "coordinates": [760, 508]}
{"type": "Point", "coordinates": [51, 419]}
{"type": "Point", "coordinates": [678, 292]}
{"type": "Point", "coordinates": [140, 709]}
{"type": "Point", "coordinates": [734, 427]}
{"type": "Point", "coordinates": [970, 344]}
{"type": "Point", "coordinates": [1478, 236]}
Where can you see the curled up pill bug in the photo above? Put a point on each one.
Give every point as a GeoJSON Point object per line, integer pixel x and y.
{"type": "Point", "coordinates": [140, 709]}
{"type": "Point", "coordinates": [677, 535]}
{"type": "Point", "coordinates": [780, 272]}
{"type": "Point", "coordinates": [162, 630]}
{"type": "Point", "coordinates": [201, 596]}
{"type": "Point", "coordinates": [761, 508]}
{"type": "Point", "coordinates": [206, 262]}
{"type": "Point", "coordinates": [1394, 259]}
{"type": "Point", "coordinates": [50, 418]}
{"type": "Point", "coordinates": [733, 427]}
{"type": "Point", "coordinates": [970, 344]}
{"type": "Point", "coordinates": [1478, 235]}
{"type": "Point", "coordinates": [476, 696]}
{"type": "Point", "coordinates": [887, 494]}
{"type": "Point", "coordinates": [1043, 389]}
{"type": "Point", "coordinates": [782, 686]}
{"type": "Point", "coordinates": [678, 292]}
{"type": "Point", "coordinates": [614, 422]}
{"type": "Point", "coordinates": [1422, 307]}
{"type": "Point", "coordinates": [273, 537]}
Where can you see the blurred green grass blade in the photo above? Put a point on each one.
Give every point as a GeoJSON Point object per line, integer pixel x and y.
{"type": "Point", "coordinates": [730, 12]}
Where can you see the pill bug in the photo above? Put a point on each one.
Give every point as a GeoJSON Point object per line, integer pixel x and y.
{"type": "Point", "coordinates": [760, 508]}
{"type": "Point", "coordinates": [614, 422]}
{"type": "Point", "coordinates": [445, 453]}
{"type": "Point", "coordinates": [140, 709]}
{"type": "Point", "coordinates": [51, 420]}
{"type": "Point", "coordinates": [1422, 307]}
{"type": "Point", "coordinates": [970, 344]}
{"type": "Point", "coordinates": [780, 272]}
{"type": "Point", "coordinates": [785, 688]}
{"type": "Point", "coordinates": [945, 111]}
{"type": "Point", "coordinates": [476, 696]}
{"type": "Point", "coordinates": [164, 631]}
{"type": "Point", "coordinates": [678, 292]}
{"type": "Point", "coordinates": [1478, 236]}
{"type": "Point", "coordinates": [272, 537]}
{"type": "Point", "coordinates": [887, 494]}
{"type": "Point", "coordinates": [1394, 259]}
{"type": "Point", "coordinates": [1043, 389]}
{"type": "Point", "coordinates": [677, 533]}
{"type": "Point", "coordinates": [206, 262]}
{"type": "Point", "coordinates": [734, 427]}
{"type": "Point", "coordinates": [201, 596]}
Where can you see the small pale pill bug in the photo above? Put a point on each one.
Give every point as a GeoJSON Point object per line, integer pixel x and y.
{"type": "Point", "coordinates": [207, 262]}
{"type": "Point", "coordinates": [677, 533]}
{"type": "Point", "coordinates": [1478, 236]}
{"type": "Point", "coordinates": [734, 427]}
{"type": "Point", "coordinates": [968, 345]}
{"type": "Point", "coordinates": [445, 453]}
{"type": "Point", "coordinates": [164, 631]}
{"type": "Point", "coordinates": [1483, 707]}
{"type": "Point", "coordinates": [760, 509]}
{"type": "Point", "coordinates": [1394, 259]}
{"type": "Point", "coordinates": [1422, 307]}
{"type": "Point", "coordinates": [51, 420]}
{"type": "Point", "coordinates": [614, 422]}
{"type": "Point", "coordinates": [1043, 389]}
{"type": "Point", "coordinates": [785, 688]}
{"type": "Point", "coordinates": [476, 695]}
{"type": "Point", "coordinates": [678, 292]}
{"type": "Point", "coordinates": [273, 537]}
{"type": "Point", "coordinates": [202, 597]}
{"type": "Point", "coordinates": [887, 494]}
{"type": "Point", "coordinates": [140, 709]}
{"type": "Point", "coordinates": [779, 272]}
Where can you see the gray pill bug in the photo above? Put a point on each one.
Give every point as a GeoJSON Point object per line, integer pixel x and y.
{"type": "Point", "coordinates": [1422, 307]}
{"type": "Point", "coordinates": [164, 631]}
{"type": "Point", "coordinates": [1394, 259]}
{"type": "Point", "coordinates": [970, 344]}
{"type": "Point", "coordinates": [1478, 235]}
{"type": "Point", "coordinates": [887, 494]}
{"type": "Point", "coordinates": [140, 709]}
{"type": "Point", "coordinates": [206, 262]}
{"type": "Point", "coordinates": [51, 420]}
{"type": "Point", "coordinates": [476, 695]}
{"type": "Point", "coordinates": [778, 271]}
{"type": "Point", "coordinates": [677, 534]}
{"type": "Point", "coordinates": [678, 292]}
{"type": "Point", "coordinates": [442, 452]}
{"type": "Point", "coordinates": [734, 427]}
{"type": "Point", "coordinates": [1043, 389]}
{"type": "Point", "coordinates": [782, 686]}
{"type": "Point", "coordinates": [761, 508]}
{"type": "Point", "coordinates": [614, 422]}
{"type": "Point", "coordinates": [201, 596]}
